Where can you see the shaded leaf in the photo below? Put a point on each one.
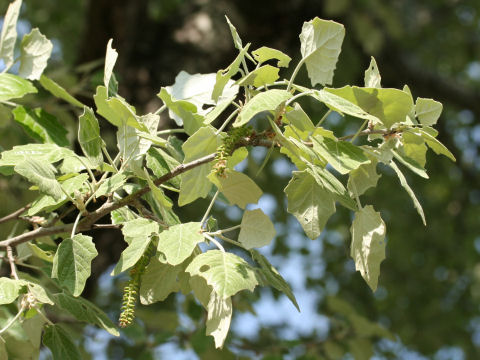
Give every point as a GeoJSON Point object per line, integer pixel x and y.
{"type": "Point", "coordinates": [60, 343]}
{"type": "Point", "coordinates": [309, 202]}
{"type": "Point", "coordinates": [436, 145]}
{"type": "Point", "coordinates": [363, 178]}
{"type": "Point", "coordinates": [237, 187]}
{"type": "Point", "coordinates": [58, 91]}
{"type": "Point", "coordinates": [72, 262]}
{"type": "Point", "coordinates": [89, 137]}
{"type": "Point", "coordinates": [256, 229]}
{"type": "Point", "coordinates": [41, 174]}
{"type": "Point", "coordinates": [158, 281]}
{"type": "Point", "coordinates": [84, 310]}
{"type": "Point", "coordinates": [223, 77]}
{"type": "Point", "coordinates": [273, 277]}
{"type": "Point", "coordinates": [41, 126]}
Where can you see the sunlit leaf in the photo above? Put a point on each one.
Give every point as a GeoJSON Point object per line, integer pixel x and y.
{"type": "Point", "coordinates": [227, 273]}
{"type": "Point", "coordinates": [9, 33]}
{"type": "Point", "coordinates": [321, 43]}
{"type": "Point", "coordinates": [223, 76]}
{"type": "Point", "coordinates": [265, 53]}
{"type": "Point", "coordinates": [268, 100]}
{"type": "Point", "coordinates": [363, 178]}
{"type": "Point", "coordinates": [264, 75]}
{"type": "Point", "coordinates": [219, 318]}
{"type": "Point", "coordinates": [110, 60]}
{"type": "Point", "coordinates": [372, 75]}
{"type": "Point", "coordinates": [178, 242]}
{"type": "Point", "coordinates": [9, 290]}
{"type": "Point", "coordinates": [13, 87]}
{"type": "Point", "coordinates": [194, 182]}
{"type": "Point", "coordinates": [41, 174]}
{"type": "Point", "coordinates": [436, 145]}
{"type": "Point", "coordinates": [428, 111]}
{"type": "Point", "coordinates": [35, 51]}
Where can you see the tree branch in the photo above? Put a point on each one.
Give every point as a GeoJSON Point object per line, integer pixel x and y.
{"type": "Point", "coordinates": [15, 215]}
{"type": "Point", "coordinates": [11, 260]}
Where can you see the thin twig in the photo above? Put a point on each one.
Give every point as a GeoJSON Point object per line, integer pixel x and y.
{"type": "Point", "coordinates": [11, 260]}
{"type": "Point", "coordinates": [15, 215]}
{"type": "Point", "coordinates": [217, 244]}
{"type": "Point", "coordinates": [87, 222]}
{"type": "Point", "coordinates": [106, 226]}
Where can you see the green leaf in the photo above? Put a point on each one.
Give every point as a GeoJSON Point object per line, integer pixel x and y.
{"type": "Point", "coordinates": [110, 185]}
{"type": "Point", "coordinates": [223, 76]}
{"type": "Point", "coordinates": [178, 242]}
{"type": "Point", "coordinates": [153, 290]}
{"type": "Point", "coordinates": [182, 111]}
{"type": "Point", "coordinates": [389, 106]}
{"type": "Point", "coordinates": [236, 38]}
{"type": "Point", "coordinates": [299, 119]}
{"type": "Point", "coordinates": [218, 318]}
{"type": "Point", "coordinates": [403, 182]}
{"type": "Point", "coordinates": [201, 289]}
{"type": "Point", "coordinates": [138, 234]}
{"type": "Point", "coordinates": [414, 147]}
{"type": "Point", "coordinates": [265, 53]}
{"type": "Point", "coordinates": [363, 178]}
{"type": "Point", "coordinates": [39, 293]}
{"type": "Point", "coordinates": [194, 183]}
{"type": "Point", "coordinates": [13, 87]}
{"type": "Point", "coordinates": [237, 157]}
{"type": "Point", "coordinates": [60, 343]}
{"type": "Point", "coordinates": [58, 91]}
{"type": "Point", "coordinates": [72, 262]}
{"type": "Point", "coordinates": [48, 203]}
{"type": "Point", "coordinates": [342, 155]}
{"type": "Point", "coordinates": [41, 126]}
{"type": "Point", "coordinates": [273, 277]}
{"type": "Point", "coordinates": [89, 137]}
{"type": "Point", "coordinates": [9, 290]}
{"type": "Point", "coordinates": [84, 310]}
{"type": "Point", "coordinates": [122, 215]}
{"type": "Point", "coordinates": [110, 60]}
{"type": "Point", "coordinates": [161, 163]}
{"type": "Point", "coordinates": [237, 187]}
{"type": "Point", "coordinates": [35, 51]}
{"type": "Point", "coordinates": [157, 140]}
{"type": "Point", "coordinates": [256, 229]}
{"type": "Point", "coordinates": [372, 75]}
{"type": "Point", "coordinates": [41, 174]}
{"type": "Point", "coordinates": [264, 75]}
{"type": "Point", "coordinates": [328, 181]}
{"type": "Point", "coordinates": [158, 193]}
{"type": "Point", "coordinates": [410, 163]}
{"type": "Point", "coordinates": [9, 33]}
{"type": "Point", "coordinates": [268, 100]}
{"type": "Point", "coordinates": [321, 43]}
{"type": "Point", "coordinates": [368, 244]}
{"type": "Point", "coordinates": [131, 145]}
{"type": "Point", "coordinates": [225, 272]}
{"type": "Point", "coordinates": [428, 111]}
{"type": "Point", "coordinates": [309, 202]}
{"type": "Point", "coordinates": [436, 145]}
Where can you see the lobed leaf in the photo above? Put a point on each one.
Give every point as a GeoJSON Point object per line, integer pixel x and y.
{"type": "Point", "coordinates": [35, 51]}
{"type": "Point", "coordinates": [321, 43]}
{"type": "Point", "coordinates": [368, 244]}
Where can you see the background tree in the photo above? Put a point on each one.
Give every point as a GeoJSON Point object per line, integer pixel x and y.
{"type": "Point", "coordinates": [432, 46]}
